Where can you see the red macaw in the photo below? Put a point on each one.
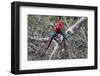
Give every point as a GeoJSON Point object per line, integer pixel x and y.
{"type": "Point", "coordinates": [58, 29]}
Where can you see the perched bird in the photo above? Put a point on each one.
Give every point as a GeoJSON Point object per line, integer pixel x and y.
{"type": "Point", "coordinates": [57, 31]}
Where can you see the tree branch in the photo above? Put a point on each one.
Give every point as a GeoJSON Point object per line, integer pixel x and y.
{"type": "Point", "coordinates": [66, 22]}
{"type": "Point", "coordinates": [46, 39]}
{"type": "Point", "coordinates": [55, 49]}
{"type": "Point", "coordinates": [40, 39]}
{"type": "Point", "coordinates": [71, 29]}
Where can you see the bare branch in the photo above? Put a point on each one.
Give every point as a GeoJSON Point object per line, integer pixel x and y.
{"type": "Point", "coordinates": [46, 39]}
{"type": "Point", "coordinates": [71, 29]}
{"type": "Point", "coordinates": [55, 49]}
{"type": "Point", "coordinates": [85, 38]}
{"type": "Point", "coordinates": [40, 39]}
{"type": "Point", "coordinates": [66, 22]}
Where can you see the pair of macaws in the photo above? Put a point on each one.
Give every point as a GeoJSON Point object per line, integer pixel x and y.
{"type": "Point", "coordinates": [58, 29]}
